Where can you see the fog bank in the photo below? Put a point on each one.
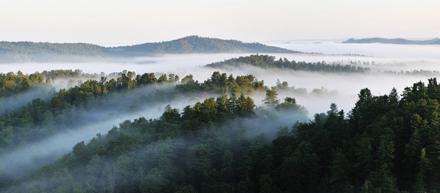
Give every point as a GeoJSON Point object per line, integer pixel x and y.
{"type": "Point", "coordinates": [53, 147]}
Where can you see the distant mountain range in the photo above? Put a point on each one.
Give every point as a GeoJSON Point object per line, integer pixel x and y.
{"type": "Point", "coordinates": [392, 41]}
{"type": "Point", "coordinates": [42, 52]}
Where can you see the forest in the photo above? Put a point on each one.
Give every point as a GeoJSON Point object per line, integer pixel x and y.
{"type": "Point", "coordinates": [270, 62]}
{"type": "Point", "coordinates": [196, 44]}
{"type": "Point", "coordinates": [219, 96]}
{"type": "Point", "coordinates": [224, 142]}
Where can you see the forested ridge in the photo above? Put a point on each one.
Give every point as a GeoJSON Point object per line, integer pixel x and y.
{"type": "Point", "coordinates": [393, 41]}
{"type": "Point", "coordinates": [69, 108]}
{"type": "Point", "coordinates": [18, 89]}
{"type": "Point", "coordinates": [50, 52]}
{"type": "Point", "coordinates": [387, 143]}
{"type": "Point", "coordinates": [11, 83]}
{"type": "Point", "coordinates": [196, 44]}
{"type": "Point", "coordinates": [163, 142]}
{"type": "Point", "coordinates": [47, 52]}
{"type": "Point", "coordinates": [270, 62]}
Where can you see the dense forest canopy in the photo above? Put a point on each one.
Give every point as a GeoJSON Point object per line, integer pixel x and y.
{"type": "Point", "coordinates": [387, 143]}
{"type": "Point", "coordinates": [70, 108]}
{"type": "Point", "coordinates": [270, 62]}
{"type": "Point", "coordinates": [47, 52]}
{"type": "Point", "coordinates": [119, 93]}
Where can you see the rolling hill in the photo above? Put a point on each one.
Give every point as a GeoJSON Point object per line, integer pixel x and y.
{"type": "Point", "coordinates": [393, 41]}
{"type": "Point", "coordinates": [47, 52]}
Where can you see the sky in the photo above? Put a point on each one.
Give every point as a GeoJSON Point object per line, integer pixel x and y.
{"type": "Point", "coordinates": [113, 22]}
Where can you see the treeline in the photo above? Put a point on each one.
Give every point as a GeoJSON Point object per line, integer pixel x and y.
{"type": "Point", "coordinates": [270, 62]}
{"type": "Point", "coordinates": [11, 83]}
{"type": "Point", "coordinates": [222, 83]}
{"type": "Point", "coordinates": [386, 144]}
{"type": "Point", "coordinates": [18, 89]}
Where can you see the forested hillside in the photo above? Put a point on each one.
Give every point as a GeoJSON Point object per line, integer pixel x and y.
{"type": "Point", "coordinates": [386, 143]}
{"type": "Point", "coordinates": [43, 52]}
{"type": "Point", "coordinates": [154, 146]}
{"type": "Point", "coordinates": [70, 109]}
{"type": "Point", "coordinates": [50, 52]}
{"type": "Point", "coordinates": [196, 44]}
{"type": "Point", "coordinates": [270, 62]}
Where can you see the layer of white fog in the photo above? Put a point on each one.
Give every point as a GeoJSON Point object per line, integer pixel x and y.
{"type": "Point", "coordinates": [395, 58]}
{"type": "Point", "coordinates": [343, 88]}
{"type": "Point", "coordinates": [53, 147]}
{"type": "Point", "coordinates": [377, 57]}
{"type": "Point", "coordinates": [421, 52]}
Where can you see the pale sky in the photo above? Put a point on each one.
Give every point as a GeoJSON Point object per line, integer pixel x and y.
{"type": "Point", "coordinates": [134, 22]}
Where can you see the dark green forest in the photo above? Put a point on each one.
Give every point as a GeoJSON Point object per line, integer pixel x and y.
{"type": "Point", "coordinates": [18, 89]}
{"type": "Point", "coordinates": [70, 108]}
{"type": "Point", "coordinates": [387, 143]}
{"type": "Point", "coordinates": [73, 52]}
{"type": "Point", "coordinates": [270, 62]}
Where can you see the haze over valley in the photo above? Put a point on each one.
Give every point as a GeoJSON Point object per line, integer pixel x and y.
{"type": "Point", "coordinates": [224, 97]}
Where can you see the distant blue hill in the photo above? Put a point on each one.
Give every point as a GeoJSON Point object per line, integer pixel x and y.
{"type": "Point", "coordinates": [196, 44]}
{"type": "Point", "coordinates": [44, 52]}
{"type": "Point", "coordinates": [392, 41]}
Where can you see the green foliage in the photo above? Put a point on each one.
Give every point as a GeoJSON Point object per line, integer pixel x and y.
{"type": "Point", "coordinates": [185, 189]}
{"type": "Point", "coordinates": [165, 155]}
{"type": "Point", "coordinates": [154, 182]}
{"type": "Point", "coordinates": [270, 62]}
{"type": "Point", "coordinates": [219, 83]}
{"type": "Point", "coordinates": [385, 144]}
{"type": "Point", "coordinates": [271, 98]}
{"type": "Point", "coordinates": [71, 108]}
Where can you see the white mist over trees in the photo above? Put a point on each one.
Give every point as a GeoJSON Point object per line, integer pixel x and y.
{"type": "Point", "coordinates": [170, 124]}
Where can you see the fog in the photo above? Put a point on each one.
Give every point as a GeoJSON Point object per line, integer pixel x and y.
{"type": "Point", "coordinates": [386, 56]}
{"type": "Point", "coordinates": [17, 100]}
{"type": "Point", "coordinates": [378, 57]}
{"type": "Point", "coordinates": [162, 63]}
{"type": "Point", "coordinates": [376, 49]}
{"type": "Point", "coordinates": [175, 63]}
{"type": "Point", "coordinates": [47, 150]}
{"type": "Point", "coordinates": [346, 85]}
{"type": "Point", "coordinates": [340, 88]}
